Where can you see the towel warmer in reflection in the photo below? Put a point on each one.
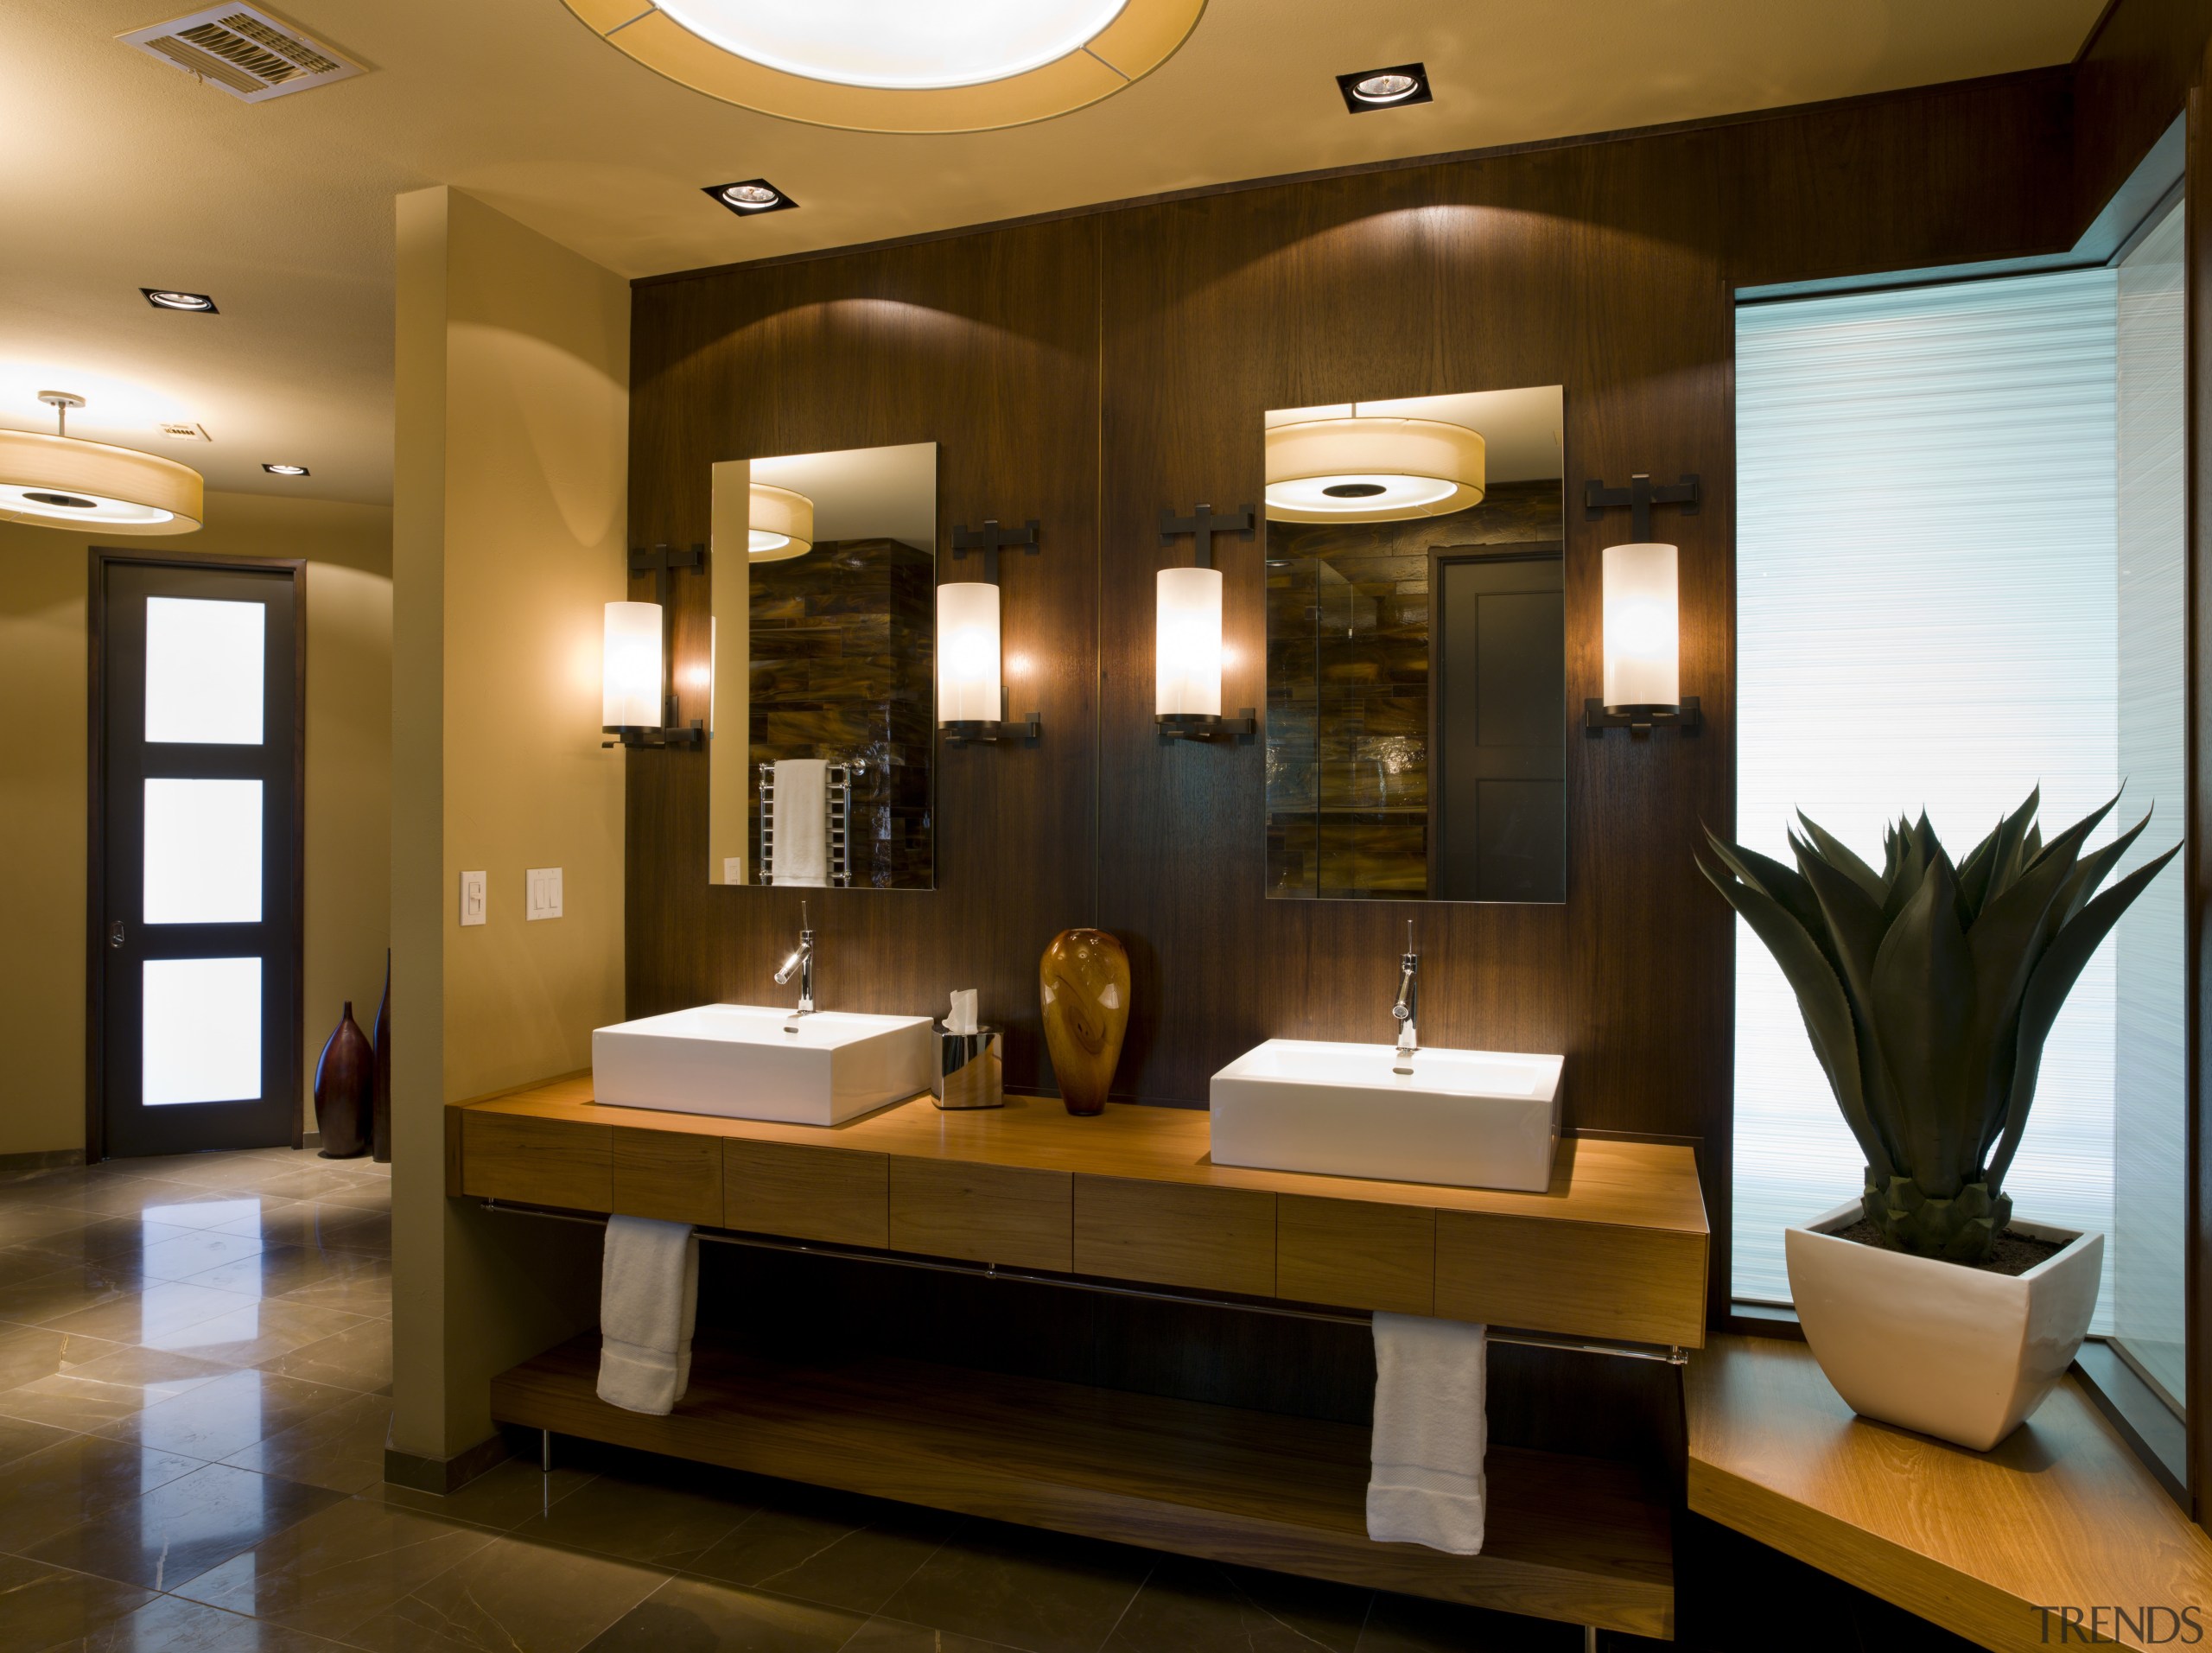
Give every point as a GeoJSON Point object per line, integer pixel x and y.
{"type": "Point", "coordinates": [837, 827]}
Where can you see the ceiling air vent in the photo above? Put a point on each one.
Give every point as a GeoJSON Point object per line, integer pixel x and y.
{"type": "Point", "coordinates": [185, 432]}
{"type": "Point", "coordinates": [244, 51]}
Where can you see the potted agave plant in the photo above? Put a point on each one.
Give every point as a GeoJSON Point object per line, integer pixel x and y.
{"type": "Point", "coordinates": [1928, 990]}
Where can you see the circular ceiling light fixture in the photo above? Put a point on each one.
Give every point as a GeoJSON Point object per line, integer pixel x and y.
{"type": "Point", "coordinates": [1384, 88]}
{"type": "Point", "coordinates": [1372, 469]}
{"type": "Point", "coordinates": [753, 195]}
{"type": "Point", "coordinates": [779, 524]}
{"type": "Point", "coordinates": [166, 298]}
{"type": "Point", "coordinates": [286, 470]}
{"type": "Point", "coordinates": [64, 481]}
{"type": "Point", "coordinates": [899, 66]}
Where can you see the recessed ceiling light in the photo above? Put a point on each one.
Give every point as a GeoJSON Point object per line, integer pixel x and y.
{"type": "Point", "coordinates": [285, 470]}
{"type": "Point", "coordinates": [168, 298]}
{"type": "Point", "coordinates": [749, 196]}
{"type": "Point", "coordinates": [1367, 89]}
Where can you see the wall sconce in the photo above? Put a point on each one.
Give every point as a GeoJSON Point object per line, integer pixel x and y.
{"type": "Point", "coordinates": [1642, 616]}
{"type": "Point", "coordinates": [638, 701]}
{"type": "Point", "coordinates": [1187, 648]}
{"type": "Point", "coordinates": [971, 693]}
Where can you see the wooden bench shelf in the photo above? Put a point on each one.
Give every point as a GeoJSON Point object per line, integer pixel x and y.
{"type": "Point", "coordinates": [2060, 1514]}
{"type": "Point", "coordinates": [1573, 1539]}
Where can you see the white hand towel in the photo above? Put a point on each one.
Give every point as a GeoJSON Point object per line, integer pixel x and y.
{"type": "Point", "coordinates": [648, 1295]}
{"type": "Point", "coordinates": [1431, 1426]}
{"type": "Point", "coordinates": [802, 840]}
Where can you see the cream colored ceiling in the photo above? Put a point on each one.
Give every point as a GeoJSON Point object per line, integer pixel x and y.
{"type": "Point", "coordinates": [121, 172]}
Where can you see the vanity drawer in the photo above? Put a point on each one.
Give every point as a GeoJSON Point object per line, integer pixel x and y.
{"type": "Point", "coordinates": [667, 1175]}
{"type": "Point", "coordinates": [986, 1213]}
{"type": "Point", "coordinates": [537, 1161]}
{"type": "Point", "coordinates": [1176, 1233]}
{"type": "Point", "coordinates": [1589, 1279]}
{"type": "Point", "coordinates": [836, 1195]}
{"type": "Point", "coordinates": [1356, 1254]}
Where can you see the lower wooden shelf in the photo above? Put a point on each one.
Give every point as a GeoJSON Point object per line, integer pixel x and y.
{"type": "Point", "coordinates": [1575, 1539]}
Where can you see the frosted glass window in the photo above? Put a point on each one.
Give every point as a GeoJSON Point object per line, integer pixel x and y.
{"type": "Point", "coordinates": [201, 1030]}
{"type": "Point", "coordinates": [203, 851]}
{"type": "Point", "coordinates": [2149, 1120]}
{"type": "Point", "coordinates": [1928, 615]}
{"type": "Point", "coordinates": [204, 670]}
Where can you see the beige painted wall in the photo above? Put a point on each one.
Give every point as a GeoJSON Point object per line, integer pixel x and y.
{"type": "Point", "coordinates": [44, 577]}
{"type": "Point", "coordinates": [509, 507]}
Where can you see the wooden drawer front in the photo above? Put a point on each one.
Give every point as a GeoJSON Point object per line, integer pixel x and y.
{"type": "Point", "coordinates": [836, 1195]}
{"type": "Point", "coordinates": [1348, 1252]}
{"type": "Point", "coordinates": [1585, 1278]}
{"type": "Point", "coordinates": [540, 1161]}
{"type": "Point", "coordinates": [1177, 1234]}
{"type": "Point", "coordinates": [667, 1175]}
{"type": "Point", "coordinates": [986, 1213]}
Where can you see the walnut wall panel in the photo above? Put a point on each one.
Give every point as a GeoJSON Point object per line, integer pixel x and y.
{"type": "Point", "coordinates": [1088, 370]}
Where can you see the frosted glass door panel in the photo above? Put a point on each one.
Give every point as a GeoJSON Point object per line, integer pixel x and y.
{"type": "Point", "coordinates": [203, 851]}
{"type": "Point", "coordinates": [202, 1030]}
{"type": "Point", "coordinates": [203, 671]}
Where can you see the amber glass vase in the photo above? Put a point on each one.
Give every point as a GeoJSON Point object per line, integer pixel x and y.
{"type": "Point", "coordinates": [1084, 978]}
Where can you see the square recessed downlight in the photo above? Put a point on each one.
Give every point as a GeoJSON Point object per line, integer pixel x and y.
{"type": "Point", "coordinates": [749, 197]}
{"type": "Point", "coordinates": [171, 298]}
{"type": "Point", "coordinates": [285, 470]}
{"type": "Point", "coordinates": [1393, 88]}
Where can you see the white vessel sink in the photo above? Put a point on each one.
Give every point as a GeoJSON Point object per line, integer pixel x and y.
{"type": "Point", "coordinates": [1472, 1119]}
{"type": "Point", "coordinates": [745, 1061]}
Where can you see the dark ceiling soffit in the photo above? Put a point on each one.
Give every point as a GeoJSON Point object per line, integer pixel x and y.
{"type": "Point", "coordinates": [2059, 72]}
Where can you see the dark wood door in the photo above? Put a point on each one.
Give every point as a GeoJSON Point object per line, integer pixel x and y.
{"type": "Point", "coordinates": [1497, 728]}
{"type": "Point", "coordinates": [196, 823]}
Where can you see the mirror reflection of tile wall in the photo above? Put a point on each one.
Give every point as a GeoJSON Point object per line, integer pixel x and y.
{"type": "Point", "coordinates": [1416, 664]}
{"type": "Point", "coordinates": [826, 655]}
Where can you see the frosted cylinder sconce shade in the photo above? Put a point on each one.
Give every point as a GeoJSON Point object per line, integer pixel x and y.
{"type": "Point", "coordinates": [780, 524]}
{"type": "Point", "coordinates": [968, 681]}
{"type": "Point", "coordinates": [630, 692]}
{"type": "Point", "coordinates": [1187, 653]}
{"type": "Point", "coordinates": [1642, 621]}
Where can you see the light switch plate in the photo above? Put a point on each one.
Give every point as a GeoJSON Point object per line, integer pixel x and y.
{"type": "Point", "coordinates": [733, 870]}
{"type": "Point", "coordinates": [471, 897]}
{"type": "Point", "coordinates": [541, 893]}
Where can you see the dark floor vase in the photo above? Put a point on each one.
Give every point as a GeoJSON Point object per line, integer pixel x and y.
{"type": "Point", "coordinates": [345, 1089]}
{"type": "Point", "coordinates": [380, 1109]}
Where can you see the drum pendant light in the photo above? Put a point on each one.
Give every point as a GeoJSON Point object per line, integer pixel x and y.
{"type": "Point", "coordinates": [779, 524]}
{"type": "Point", "coordinates": [1372, 468]}
{"type": "Point", "coordinates": [64, 481]}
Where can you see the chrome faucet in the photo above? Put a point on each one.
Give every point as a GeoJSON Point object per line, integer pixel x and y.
{"type": "Point", "coordinates": [1408, 1006]}
{"type": "Point", "coordinates": [802, 961]}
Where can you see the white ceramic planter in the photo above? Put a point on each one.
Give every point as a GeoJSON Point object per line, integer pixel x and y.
{"type": "Point", "coordinates": [1960, 1354]}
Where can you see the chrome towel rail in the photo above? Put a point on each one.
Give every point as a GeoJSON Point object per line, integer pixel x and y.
{"type": "Point", "coordinates": [1672, 1357]}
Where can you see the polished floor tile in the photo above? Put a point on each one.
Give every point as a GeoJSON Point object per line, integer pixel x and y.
{"type": "Point", "coordinates": [150, 1316]}
{"type": "Point", "coordinates": [693, 1613]}
{"type": "Point", "coordinates": [194, 1252]}
{"type": "Point", "coordinates": [172, 1624]}
{"type": "Point", "coordinates": [362, 1287]}
{"type": "Point", "coordinates": [502, 1498]}
{"type": "Point", "coordinates": [52, 1607]}
{"type": "Point", "coordinates": [105, 1391]}
{"type": "Point", "coordinates": [23, 1223]}
{"type": "Point", "coordinates": [669, 1526]}
{"type": "Point", "coordinates": [20, 1437]}
{"type": "Point", "coordinates": [276, 1270]}
{"type": "Point", "coordinates": [340, 1568]}
{"type": "Point", "coordinates": [357, 1358]}
{"type": "Point", "coordinates": [341, 1447]}
{"type": "Point", "coordinates": [30, 1353]}
{"type": "Point", "coordinates": [1044, 1593]}
{"type": "Point", "coordinates": [67, 1289]}
{"type": "Point", "coordinates": [300, 1222]}
{"type": "Point", "coordinates": [164, 1538]}
{"type": "Point", "coordinates": [513, 1597]}
{"type": "Point", "coordinates": [99, 1239]}
{"type": "Point", "coordinates": [1186, 1604]}
{"type": "Point", "coordinates": [259, 1330]}
{"type": "Point", "coordinates": [74, 1481]}
{"type": "Point", "coordinates": [896, 1636]}
{"type": "Point", "coordinates": [836, 1549]}
{"type": "Point", "coordinates": [227, 1415]}
{"type": "Point", "coordinates": [177, 1202]}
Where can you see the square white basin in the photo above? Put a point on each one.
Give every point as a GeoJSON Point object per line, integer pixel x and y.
{"type": "Point", "coordinates": [745, 1061]}
{"type": "Point", "coordinates": [1471, 1119]}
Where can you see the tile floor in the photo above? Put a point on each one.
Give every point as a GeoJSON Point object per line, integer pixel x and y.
{"type": "Point", "coordinates": [195, 1362]}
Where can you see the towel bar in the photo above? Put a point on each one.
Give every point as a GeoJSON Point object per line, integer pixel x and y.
{"type": "Point", "coordinates": [1671, 1356]}
{"type": "Point", "coordinates": [837, 808]}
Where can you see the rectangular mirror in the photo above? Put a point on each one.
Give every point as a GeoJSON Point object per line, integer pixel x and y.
{"type": "Point", "coordinates": [823, 713]}
{"type": "Point", "coordinates": [1417, 719]}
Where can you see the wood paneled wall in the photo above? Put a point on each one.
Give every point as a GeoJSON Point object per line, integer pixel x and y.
{"type": "Point", "coordinates": [1089, 369]}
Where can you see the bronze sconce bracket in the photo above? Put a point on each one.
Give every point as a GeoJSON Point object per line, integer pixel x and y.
{"type": "Point", "coordinates": [990, 539]}
{"type": "Point", "coordinates": [971, 731]}
{"type": "Point", "coordinates": [1198, 726]}
{"type": "Point", "coordinates": [1640, 720]}
{"type": "Point", "coordinates": [1639, 496]}
{"type": "Point", "coordinates": [1202, 525]}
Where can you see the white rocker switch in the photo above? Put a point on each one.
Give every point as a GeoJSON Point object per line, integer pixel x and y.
{"type": "Point", "coordinates": [471, 897]}
{"type": "Point", "coordinates": [542, 892]}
